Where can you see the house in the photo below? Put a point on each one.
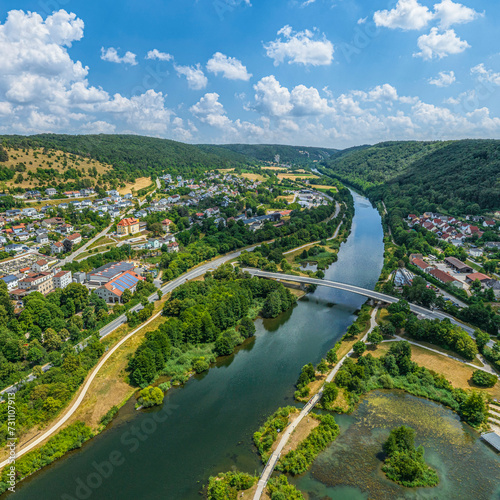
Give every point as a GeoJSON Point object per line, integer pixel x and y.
{"type": "Point", "coordinates": [42, 238]}
{"type": "Point", "coordinates": [51, 192]}
{"type": "Point", "coordinates": [495, 286]}
{"type": "Point", "coordinates": [173, 247]}
{"type": "Point", "coordinates": [128, 226]}
{"type": "Point", "coordinates": [53, 222]}
{"type": "Point", "coordinates": [11, 281]}
{"type": "Point", "coordinates": [16, 248]}
{"type": "Point", "coordinates": [23, 236]}
{"type": "Point", "coordinates": [458, 265]}
{"type": "Point", "coordinates": [166, 223]}
{"type": "Point", "coordinates": [56, 247]}
{"type": "Point", "coordinates": [29, 212]}
{"type": "Point", "coordinates": [62, 279]}
{"type": "Point", "coordinates": [113, 290]}
{"type": "Point", "coordinates": [475, 252]}
{"type": "Point", "coordinates": [40, 266]}
{"type": "Point", "coordinates": [70, 241]}
{"type": "Point", "coordinates": [66, 229]}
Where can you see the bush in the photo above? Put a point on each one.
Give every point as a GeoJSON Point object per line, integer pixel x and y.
{"type": "Point", "coordinates": [151, 396]}
{"type": "Point", "coordinates": [484, 379]}
{"type": "Point", "coordinates": [359, 347]}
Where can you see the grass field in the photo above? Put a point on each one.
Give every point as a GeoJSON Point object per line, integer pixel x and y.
{"type": "Point", "coordinates": [319, 186]}
{"type": "Point", "coordinates": [141, 183]}
{"type": "Point", "coordinates": [35, 158]}
{"type": "Point", "coordinates": [457, 373]}
{"type": "Point", "coordinates": [253, 177]}
{"type": "Point", "coordinates": [297, 176]}
{"type": "Point", "coordinates": [273, 168]}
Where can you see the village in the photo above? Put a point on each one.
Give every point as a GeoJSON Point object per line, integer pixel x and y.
{"type": "Point", "coordinates": [40, 241]}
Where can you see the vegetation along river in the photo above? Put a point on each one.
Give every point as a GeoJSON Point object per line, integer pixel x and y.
{"type": "Point", "coordinates": [206, 427]}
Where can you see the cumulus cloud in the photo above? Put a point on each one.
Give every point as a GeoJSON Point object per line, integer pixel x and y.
{"type": "Point", "coordinates": [43, 90]}
{"type": "Point", "coordinates": [450, 13]}
{"type": "Point", "coordinates": [111, 55]}
{"type": "Point", "coordinates": [209, 110]}
{"type": "Point", "coordinates": [407, 15]}
{"type": "Point", "coordinates": [160, 56]}
{"type": "Point", "coordinates": [444, 79]}
{"type": "Point", "coordinates": [485, 75]}
{"type": "Point", "coordinates": [300, 48]}
{"type": "Point", "coordinates": [195, 77]}
{"type": "Point", "coordinates": [439, 45]}
{"type": "Point", "coordinates": [230, 67]}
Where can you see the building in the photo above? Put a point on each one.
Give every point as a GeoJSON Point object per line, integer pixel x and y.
{"type": "Point", "coordinates": [62, 279]}
{"type": "Point", "coordinates": [421, 265]}
{"type": "Point", "coordinates": [128, 226]}
{"type": "Point", "coordinates": [51, 192]}
{"type": "Point", "coordinates": [108, 272]}
{"type": "Point", "coordinates": [70, 241]}
{"type": "Point", "coordinates": [173, 247]}
{"type": "Point", "coordinates": [42, 238]}
{"type": "Point", "coordinates": [11, 281]}
{"type": "Point", "coordinates": [53, 222]}
{"type": "Point", "coordinates": [470, 278]}
{"type": "Point", "coordinates": [40, 266]}
{"type": "Point", "coordinates": [445, 278]}
{"type": "Point", "coordinates": [41, 282]}
{"type": "Point", "coordinates": [112, 291]}
{"type": "Point", "coordinates": [56, 247]}
{"type": "Point", "coordinates": [458, 265]}
{"type": "Point", "coordinates": [166, 225]}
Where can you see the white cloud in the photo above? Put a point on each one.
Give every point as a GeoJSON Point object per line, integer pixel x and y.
{"type": "Point", "coordinates": [230, 67]}
{"type": "Point", "coordinates": [439, 45]}
{"type": "Point", "coordinates": [209, 110]}
{"type": "Point", "coordinates": [300, 48]}
{"type": "Point", "coordinates": [450, 13]}
{"type": "Point", "coordinates": [195, 77]}
{"type": "Point", "coordinates": [407, 15]}
{"type": "Point", "coordinates": [160, 56]}
{"type": "Point", "coordinates": [444, 79]}
{"type": "Point", "coordinates": [43, 90]}
{"type": "Point", "coordinates": [271, 98]}
{"type": "Point", "coordinates": [111, 55]}
{"type": "Point", "coordinates": [485, 75]}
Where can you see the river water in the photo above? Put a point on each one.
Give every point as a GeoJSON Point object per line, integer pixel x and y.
{"type": "Point", "coordinates": [206, 427]}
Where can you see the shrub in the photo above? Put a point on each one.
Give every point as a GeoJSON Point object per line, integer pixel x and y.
{"type": "Point", "coordinates": [484, 379]}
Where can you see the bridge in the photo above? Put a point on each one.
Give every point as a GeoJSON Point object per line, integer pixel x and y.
{"type": "Point", "coordinates": [372, 294]}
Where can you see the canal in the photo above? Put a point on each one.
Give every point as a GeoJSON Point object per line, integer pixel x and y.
{"type": "Point", "coordinates": [206, 427]}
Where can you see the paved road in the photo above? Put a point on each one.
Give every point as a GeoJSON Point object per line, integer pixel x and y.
{"type": "Point", "coordinates": [427, 313]}
{"type": "Point", "coordinates": [82, 249]}
{"type": "Point", "coordinates": [273, 459]}
{"type": "Point", "coordinates": [172, 285]}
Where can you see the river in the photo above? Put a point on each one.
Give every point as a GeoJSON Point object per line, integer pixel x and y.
{"type": "Point", "coordinates": [206, 427]}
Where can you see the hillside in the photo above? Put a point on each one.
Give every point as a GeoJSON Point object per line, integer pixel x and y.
{"type": "Point", "coordinates": [132, 156]}
{"type": "Point", "coordinates": [460, 177]}
{"type": "Point", "coordinates": [295, 155]}
{"type": "Point", "coordinates": [31, 168]}
{"type": "Point", "coordinates": [373, 165]}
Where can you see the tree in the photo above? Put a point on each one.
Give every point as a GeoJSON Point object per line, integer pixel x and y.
{"type": "Point", "coordinates": [331, 356]}
{"type": "Point", "coordinates": [374, 337]}
{"type": "Point", "coordinates": [353, 330]}
{"type": "Point", "coordinates": [223, 347]}
{"type": "Point", "coordinates": [200, 365]}
{"type": "Point", "coordinates": [330, 393]}
{"type": "Point", "coordinates": [482, 338]}
{"type": "Point", "coordinates": [400, 439]}
{"type": "Point", "coordinates": [151, 396]}
{"type": "Point", "coordinates": [322, 366]}
{"type": "Point", "coordinates": [359, 347]}
{"type": "Point", "coordinates": [473, 408]}
{"type": "Point", "coordinates": [246, 328]}
{"type": "Point", "coordinates": [308, 374]}
{"type": "Point", "coordinates": [51, 339]}
{"type": "Point", "coordinates": [126, 295]}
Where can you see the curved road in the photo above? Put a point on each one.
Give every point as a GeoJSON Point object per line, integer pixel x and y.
{"type": "Point", "coordinates": [172, 285]}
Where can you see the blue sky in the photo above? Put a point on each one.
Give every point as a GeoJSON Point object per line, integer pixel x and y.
{"type": "Point", "coordinates": [331, 73]}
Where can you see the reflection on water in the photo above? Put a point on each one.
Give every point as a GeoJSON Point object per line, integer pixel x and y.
{"type": "Point", "coordinates": [350, 468]}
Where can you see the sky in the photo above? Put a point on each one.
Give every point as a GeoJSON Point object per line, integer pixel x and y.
{"type": "Point", "coordinates": [329, 73]}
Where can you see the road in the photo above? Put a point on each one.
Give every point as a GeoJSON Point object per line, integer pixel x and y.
{"type": "Point", "coordinates": [82, 249]}
{"type": "Point", "coordinates": [382, 297]}
{"type": "Point", "coordinates": [172, 285]}
{"type": "Point", "coordinates": [273, 459]}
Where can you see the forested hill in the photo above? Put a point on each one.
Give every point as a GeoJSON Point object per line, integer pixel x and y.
{"type": "Point", "coordinates": [296, 155]}
{"type": "Point", "coordinates": [133, 155]}
{"type": "Point", "coordinates": [453, 176]}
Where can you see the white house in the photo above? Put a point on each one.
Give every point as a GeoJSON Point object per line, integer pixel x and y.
{"type": "Point", "coordinates": [62, 279]}
{"type": "Point", "coordinates": [40, 266]}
